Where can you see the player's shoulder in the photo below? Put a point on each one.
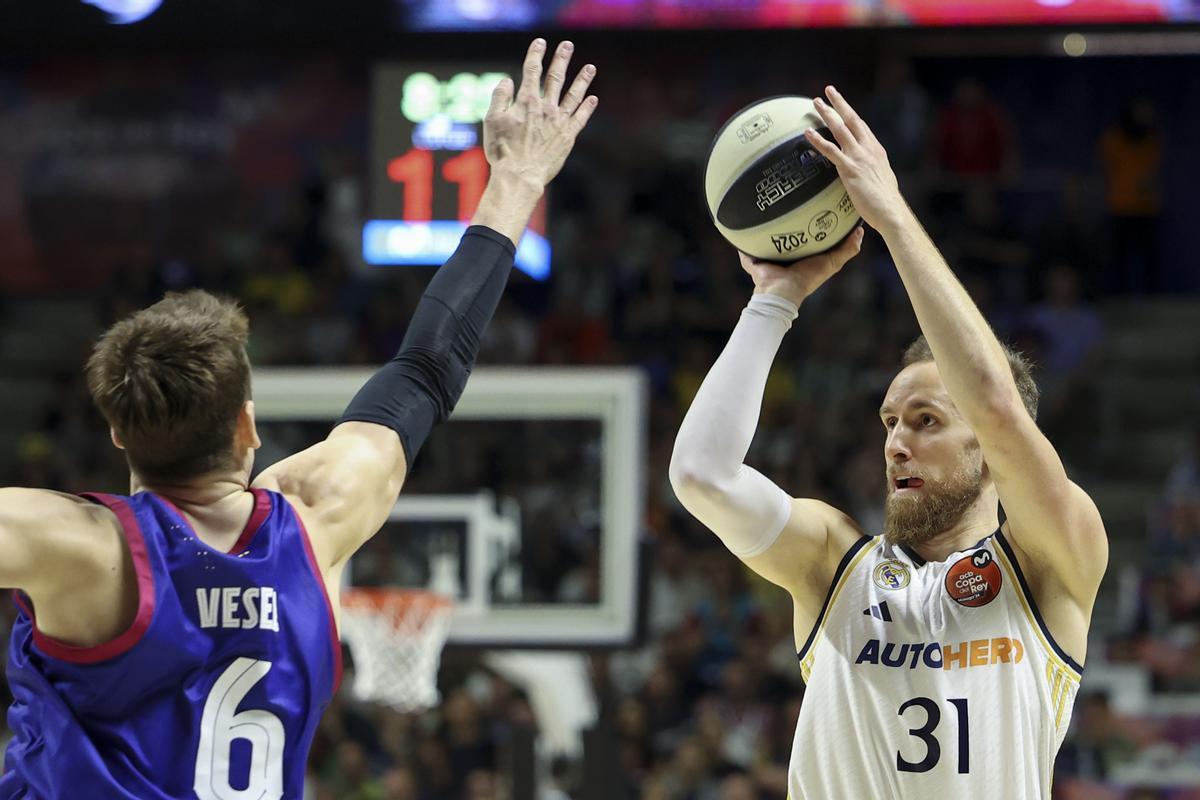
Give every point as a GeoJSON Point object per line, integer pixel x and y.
{"type": "Point", "coordinates": [818, 541]}
{"type": "Point", "coordinates": [62, 536]}
{"type": "Point", "coordinates": [48, 509]}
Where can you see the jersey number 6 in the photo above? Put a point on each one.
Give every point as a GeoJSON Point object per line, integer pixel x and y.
{"type": "Point", "coordinates": [933, 751]}
{"type": "Point", "coordinates": [222, 724]}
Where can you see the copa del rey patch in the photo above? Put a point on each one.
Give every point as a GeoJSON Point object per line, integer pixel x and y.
{"type": "Point", "coordinates": [974, 580]}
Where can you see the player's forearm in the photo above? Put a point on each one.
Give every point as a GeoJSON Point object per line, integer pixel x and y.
{"type": "Point", "coordinates": [969, 357]}
{"type": "Point", "coordinates": [720, 424]}
{"type": "Point", "coordinates": [738, 503]}
{"type": "Point", "coordinates": [421, 385]}
{"type": "Point", "coordinates": [507, 204]}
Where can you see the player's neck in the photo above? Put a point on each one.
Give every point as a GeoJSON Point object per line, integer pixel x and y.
{"type": "Point", "coordinates": [200, 493]}
{"type": "Point", "coordinates": [978, 522]}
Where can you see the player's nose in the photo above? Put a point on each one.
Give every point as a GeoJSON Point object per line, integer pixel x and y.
{"type": "Point", "coordinates": [896, 449]}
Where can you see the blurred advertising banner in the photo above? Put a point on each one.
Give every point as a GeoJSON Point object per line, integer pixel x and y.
{"type": "Point", "coordinates": [111, 163]}
{"type": "Point", "coordinates": [523, 14]}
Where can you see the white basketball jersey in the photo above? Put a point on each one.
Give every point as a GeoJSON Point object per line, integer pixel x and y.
{"type": "Point", "coordinates": [930, 680]}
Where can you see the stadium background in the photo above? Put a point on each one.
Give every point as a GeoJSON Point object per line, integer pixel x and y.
{"type": "Point", "coordinates": [229, 149]}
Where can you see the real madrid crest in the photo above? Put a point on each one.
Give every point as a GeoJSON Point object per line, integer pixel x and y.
{"type": "Point", "coordinates": [891, 574]}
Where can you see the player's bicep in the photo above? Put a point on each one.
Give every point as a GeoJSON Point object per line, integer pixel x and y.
{"type": "Point", "coordinates": [1049, 517]}
{"type": "Point", "coordinates": [777, 536]}
{"type": "Point", "coordinates": [813, 539]}
{"type": "Point", "coordinates": [345, 486]}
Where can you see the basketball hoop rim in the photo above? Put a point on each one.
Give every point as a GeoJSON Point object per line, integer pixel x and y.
{"type": "Point", "coordinates": [384, 599]}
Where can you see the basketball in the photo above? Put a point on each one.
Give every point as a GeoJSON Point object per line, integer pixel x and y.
{"type": "Point", "coordinates": [770, 194]}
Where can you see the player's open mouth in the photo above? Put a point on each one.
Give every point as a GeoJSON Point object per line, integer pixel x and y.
{"type": "Point", "coordinates": [908, 483]}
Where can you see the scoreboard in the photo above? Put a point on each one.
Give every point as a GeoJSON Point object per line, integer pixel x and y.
{"type": "Point", "coordinates": [428, 169]}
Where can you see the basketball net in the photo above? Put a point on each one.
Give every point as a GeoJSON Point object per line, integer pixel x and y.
{"type": "Point", "coordinates": [396, 637]}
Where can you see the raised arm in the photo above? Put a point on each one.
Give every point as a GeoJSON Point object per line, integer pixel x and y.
{"type": "Point", "coordinates": [346, 486]}
{"type": "Point", "coordinates": [787, 541]}
{"type": "Point", "coordinates": [1052, 521]}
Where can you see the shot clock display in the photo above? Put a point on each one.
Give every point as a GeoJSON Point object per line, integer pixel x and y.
{"type": "Point", "coordinates": [428, 169]}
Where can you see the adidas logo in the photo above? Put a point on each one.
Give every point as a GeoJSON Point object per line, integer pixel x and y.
{"type": "Point", "coordinates": [879, 612]}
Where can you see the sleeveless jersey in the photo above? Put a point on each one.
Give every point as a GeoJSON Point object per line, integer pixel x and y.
{"type": "Point", "coordinates": [929, 679]}
{"type": "Point", "coordinates": [213, 693]}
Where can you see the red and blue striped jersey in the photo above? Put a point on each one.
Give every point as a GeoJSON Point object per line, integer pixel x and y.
{"type": "Point", "coordinates": [214, 692]}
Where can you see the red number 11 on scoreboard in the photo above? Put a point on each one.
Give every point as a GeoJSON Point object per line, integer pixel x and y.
{"type": "Point", "coordinates": [414, 170]}
{"type": "Point", "coordinates": [468, 171]}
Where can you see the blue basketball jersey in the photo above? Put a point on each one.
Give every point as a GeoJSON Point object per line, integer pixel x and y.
{"type": "Point", "coordinates": [213, 693]}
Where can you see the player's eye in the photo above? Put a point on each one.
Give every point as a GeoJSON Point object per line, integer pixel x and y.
{"type": "Point", "coordinates": [889, 423]}
{"type": "Point", "coordinates": [927, 420]}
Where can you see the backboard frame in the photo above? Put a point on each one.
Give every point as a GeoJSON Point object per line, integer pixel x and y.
{"type": "Point", "coordinates": [616, 396]}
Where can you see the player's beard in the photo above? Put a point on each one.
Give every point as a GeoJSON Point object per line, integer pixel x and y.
{"type": "Point", "coordinates": [934, 508]}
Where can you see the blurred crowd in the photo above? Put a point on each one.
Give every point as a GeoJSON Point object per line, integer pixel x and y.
{"type": "Point", "coordinates": [705, 708]}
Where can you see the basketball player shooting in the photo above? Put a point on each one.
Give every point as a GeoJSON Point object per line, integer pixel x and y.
{"type": "Point", "coordinates": [181, 642]}
{"type": "Point", "coordinates": [943, 655]}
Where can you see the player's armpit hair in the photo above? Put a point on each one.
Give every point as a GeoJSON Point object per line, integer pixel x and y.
{"type": "Point", "coordinates": [420, 386]}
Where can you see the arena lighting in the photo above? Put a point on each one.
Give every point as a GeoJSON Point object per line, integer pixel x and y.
{"type": "Point", "coordinates": [1149, 43]}
{"type": "Point", "coordinates": [1075, 44]}
{"type": "Point", "coordinates": [126, 12]}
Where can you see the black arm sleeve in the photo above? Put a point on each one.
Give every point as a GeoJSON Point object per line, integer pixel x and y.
{"type": "Point", "coordinates": [420, 386]}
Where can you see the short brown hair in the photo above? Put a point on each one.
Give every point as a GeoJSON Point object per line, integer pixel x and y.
{"type": "Point", "coordinates": [170, 379]}
{"type": "Point", "coordinates": [1022, 370]}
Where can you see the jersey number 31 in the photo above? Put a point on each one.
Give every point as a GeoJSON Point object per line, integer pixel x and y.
{"type": "Point", "coordinates": [222, 724]}
{"type": "Point", "coordinates": [933, 750]}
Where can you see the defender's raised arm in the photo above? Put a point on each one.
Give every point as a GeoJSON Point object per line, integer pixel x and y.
{"type": "Point", "coordinates": [349, 482]}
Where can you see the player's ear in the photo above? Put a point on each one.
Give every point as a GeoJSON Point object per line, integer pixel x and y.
{"type": "Point", "coordinates": [247, 427]}
{"type": "Point", "coordinates": [116, 439]}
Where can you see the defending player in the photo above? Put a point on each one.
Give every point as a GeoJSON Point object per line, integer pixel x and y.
{"type": "Point", "coordinates": [941, 658]}
{"type": "Point", "coordinates": [185, 641]}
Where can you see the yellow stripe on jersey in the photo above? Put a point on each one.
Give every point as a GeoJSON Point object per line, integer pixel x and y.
{"type": "Point", "coordinates": [1002, 557]}
{"type": "Point", "coordinates": [806, 663]}
{"type": "Point", "coordinates": [1056, 683]}
{"type": "Point", "coordinates": [1063, 683]}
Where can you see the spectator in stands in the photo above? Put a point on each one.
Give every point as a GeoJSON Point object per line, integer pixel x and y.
{"type": "Point", "coordinates": [899, 111]}
{"type": "Point", "coordinates": [989, 242]}
{"type": "Point", "coordinates": [1102, 743]}
{"type": "Point", "coordinates": [1070, 333]}
{"type": "Point", "coordinates": [974, 136]}
{"type": "Point", "coordinates": [1131, 155]}
{"type": "Point", "coordinates": [1183, 481]}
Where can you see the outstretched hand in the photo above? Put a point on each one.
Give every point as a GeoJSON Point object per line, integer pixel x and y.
{"type": "Point", "coordinates": [861, 162]}
{"type": "Point", "coordinates": [529, 135]}
{"type": "Point", "coordinates": [796, 281]}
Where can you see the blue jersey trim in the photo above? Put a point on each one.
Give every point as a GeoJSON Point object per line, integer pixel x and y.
{"type": "Point", "coordinates": [334, 637]}
{"type": "Point", "coordinates": [147, 592]}
{"type": "Point", "coordinates": [837, 575]}
{"type": "Point", "coordinates": [1037, 615]}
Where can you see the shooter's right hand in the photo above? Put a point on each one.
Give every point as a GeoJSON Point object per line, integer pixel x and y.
{"type": "Point", "coordinates": [796, 281]}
